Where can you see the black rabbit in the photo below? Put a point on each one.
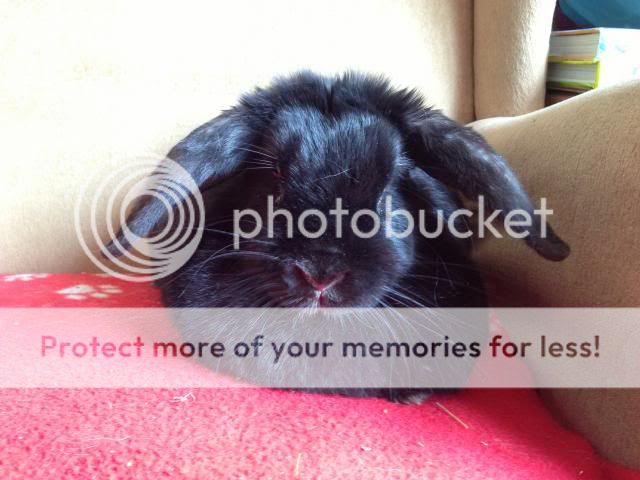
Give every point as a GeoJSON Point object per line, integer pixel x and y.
{"type": "Point", "coordinates": [307, 140]}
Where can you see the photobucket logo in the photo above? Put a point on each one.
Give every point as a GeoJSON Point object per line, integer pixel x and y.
{"type": "Point", "coordinates": [395, 223]}
{"type": "Point", "coordinates": [112, 245]}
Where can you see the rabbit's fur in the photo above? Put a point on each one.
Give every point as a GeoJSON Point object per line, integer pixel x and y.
{"type": "Point", "coordinates": [307, 140]}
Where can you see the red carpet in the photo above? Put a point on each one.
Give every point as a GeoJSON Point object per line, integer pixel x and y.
{"type": "Point", "coordinates": [260, 433]}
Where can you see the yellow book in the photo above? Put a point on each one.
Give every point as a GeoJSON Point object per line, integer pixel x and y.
{"type": "Point", "coordinates": [592, 58]}
{"type": "Point", "coordinates": [577, 74]}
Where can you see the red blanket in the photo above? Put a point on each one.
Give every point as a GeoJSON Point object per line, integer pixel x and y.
{"type": "Point", "coordinates": [261, 433]}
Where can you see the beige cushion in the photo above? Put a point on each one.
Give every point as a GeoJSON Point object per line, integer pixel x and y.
{"type": "Point", "coordinates": [511, 40]}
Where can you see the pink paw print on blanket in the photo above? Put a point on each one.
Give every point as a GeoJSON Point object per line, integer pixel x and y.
{"type": "Point", "coordinates": [83, 291]}
{"type": "Point", "coordinates": [24, 277]}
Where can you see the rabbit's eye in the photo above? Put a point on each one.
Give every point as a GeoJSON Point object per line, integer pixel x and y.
{"type": "Point", "coordinates": [279, 195]}
{"type": "Point", "coordinates": [277, 172]}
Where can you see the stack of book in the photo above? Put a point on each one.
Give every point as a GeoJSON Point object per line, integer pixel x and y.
{"type": "Point", "coordinates": [581, 60]}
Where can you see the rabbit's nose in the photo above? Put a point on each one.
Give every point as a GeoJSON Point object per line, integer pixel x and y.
{"type": "Point", "coordinates": [320, 283]}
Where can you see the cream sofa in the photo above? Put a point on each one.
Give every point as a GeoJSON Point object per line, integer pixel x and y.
{"type": "Point", "coordinates": [87, 85]}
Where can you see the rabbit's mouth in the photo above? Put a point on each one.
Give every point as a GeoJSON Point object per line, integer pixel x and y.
{"type": "Point", "coordinates": [336, 297]}
{"type": "Point", "coordinates": [297, 297]}
{"type": "Point", "coordinates": [305, 287]}
{"type": "Point", "coordinates": [301, 284]}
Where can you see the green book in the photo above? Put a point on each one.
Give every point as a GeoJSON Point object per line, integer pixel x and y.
{"type": "Point", "coordinates": [592, 58]}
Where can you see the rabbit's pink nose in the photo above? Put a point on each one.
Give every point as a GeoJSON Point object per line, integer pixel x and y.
{"type": "Point", "coordinates": [321, 283]}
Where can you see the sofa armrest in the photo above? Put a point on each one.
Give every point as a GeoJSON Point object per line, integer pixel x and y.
{"type": "Point", "coordinates": [583, 156]}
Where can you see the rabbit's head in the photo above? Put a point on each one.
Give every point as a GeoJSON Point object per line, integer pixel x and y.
{"type": "Point", "coordinates": [298, 180]}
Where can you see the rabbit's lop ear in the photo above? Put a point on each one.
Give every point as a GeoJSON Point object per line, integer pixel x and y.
{"type": "Point", "coordinates": [208, 156]}
{"type": "Point", "coordinates": [463, 160]}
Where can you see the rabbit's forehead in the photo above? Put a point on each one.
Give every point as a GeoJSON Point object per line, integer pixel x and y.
{"type": "Point", "coordinates": [315, 185]}
{"type": "Point", "coordinates": [357, 172]}
{"type": "Point", "coordinates": [356, 146]}
{"type": "Point", "coordinates": [353, 156]}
